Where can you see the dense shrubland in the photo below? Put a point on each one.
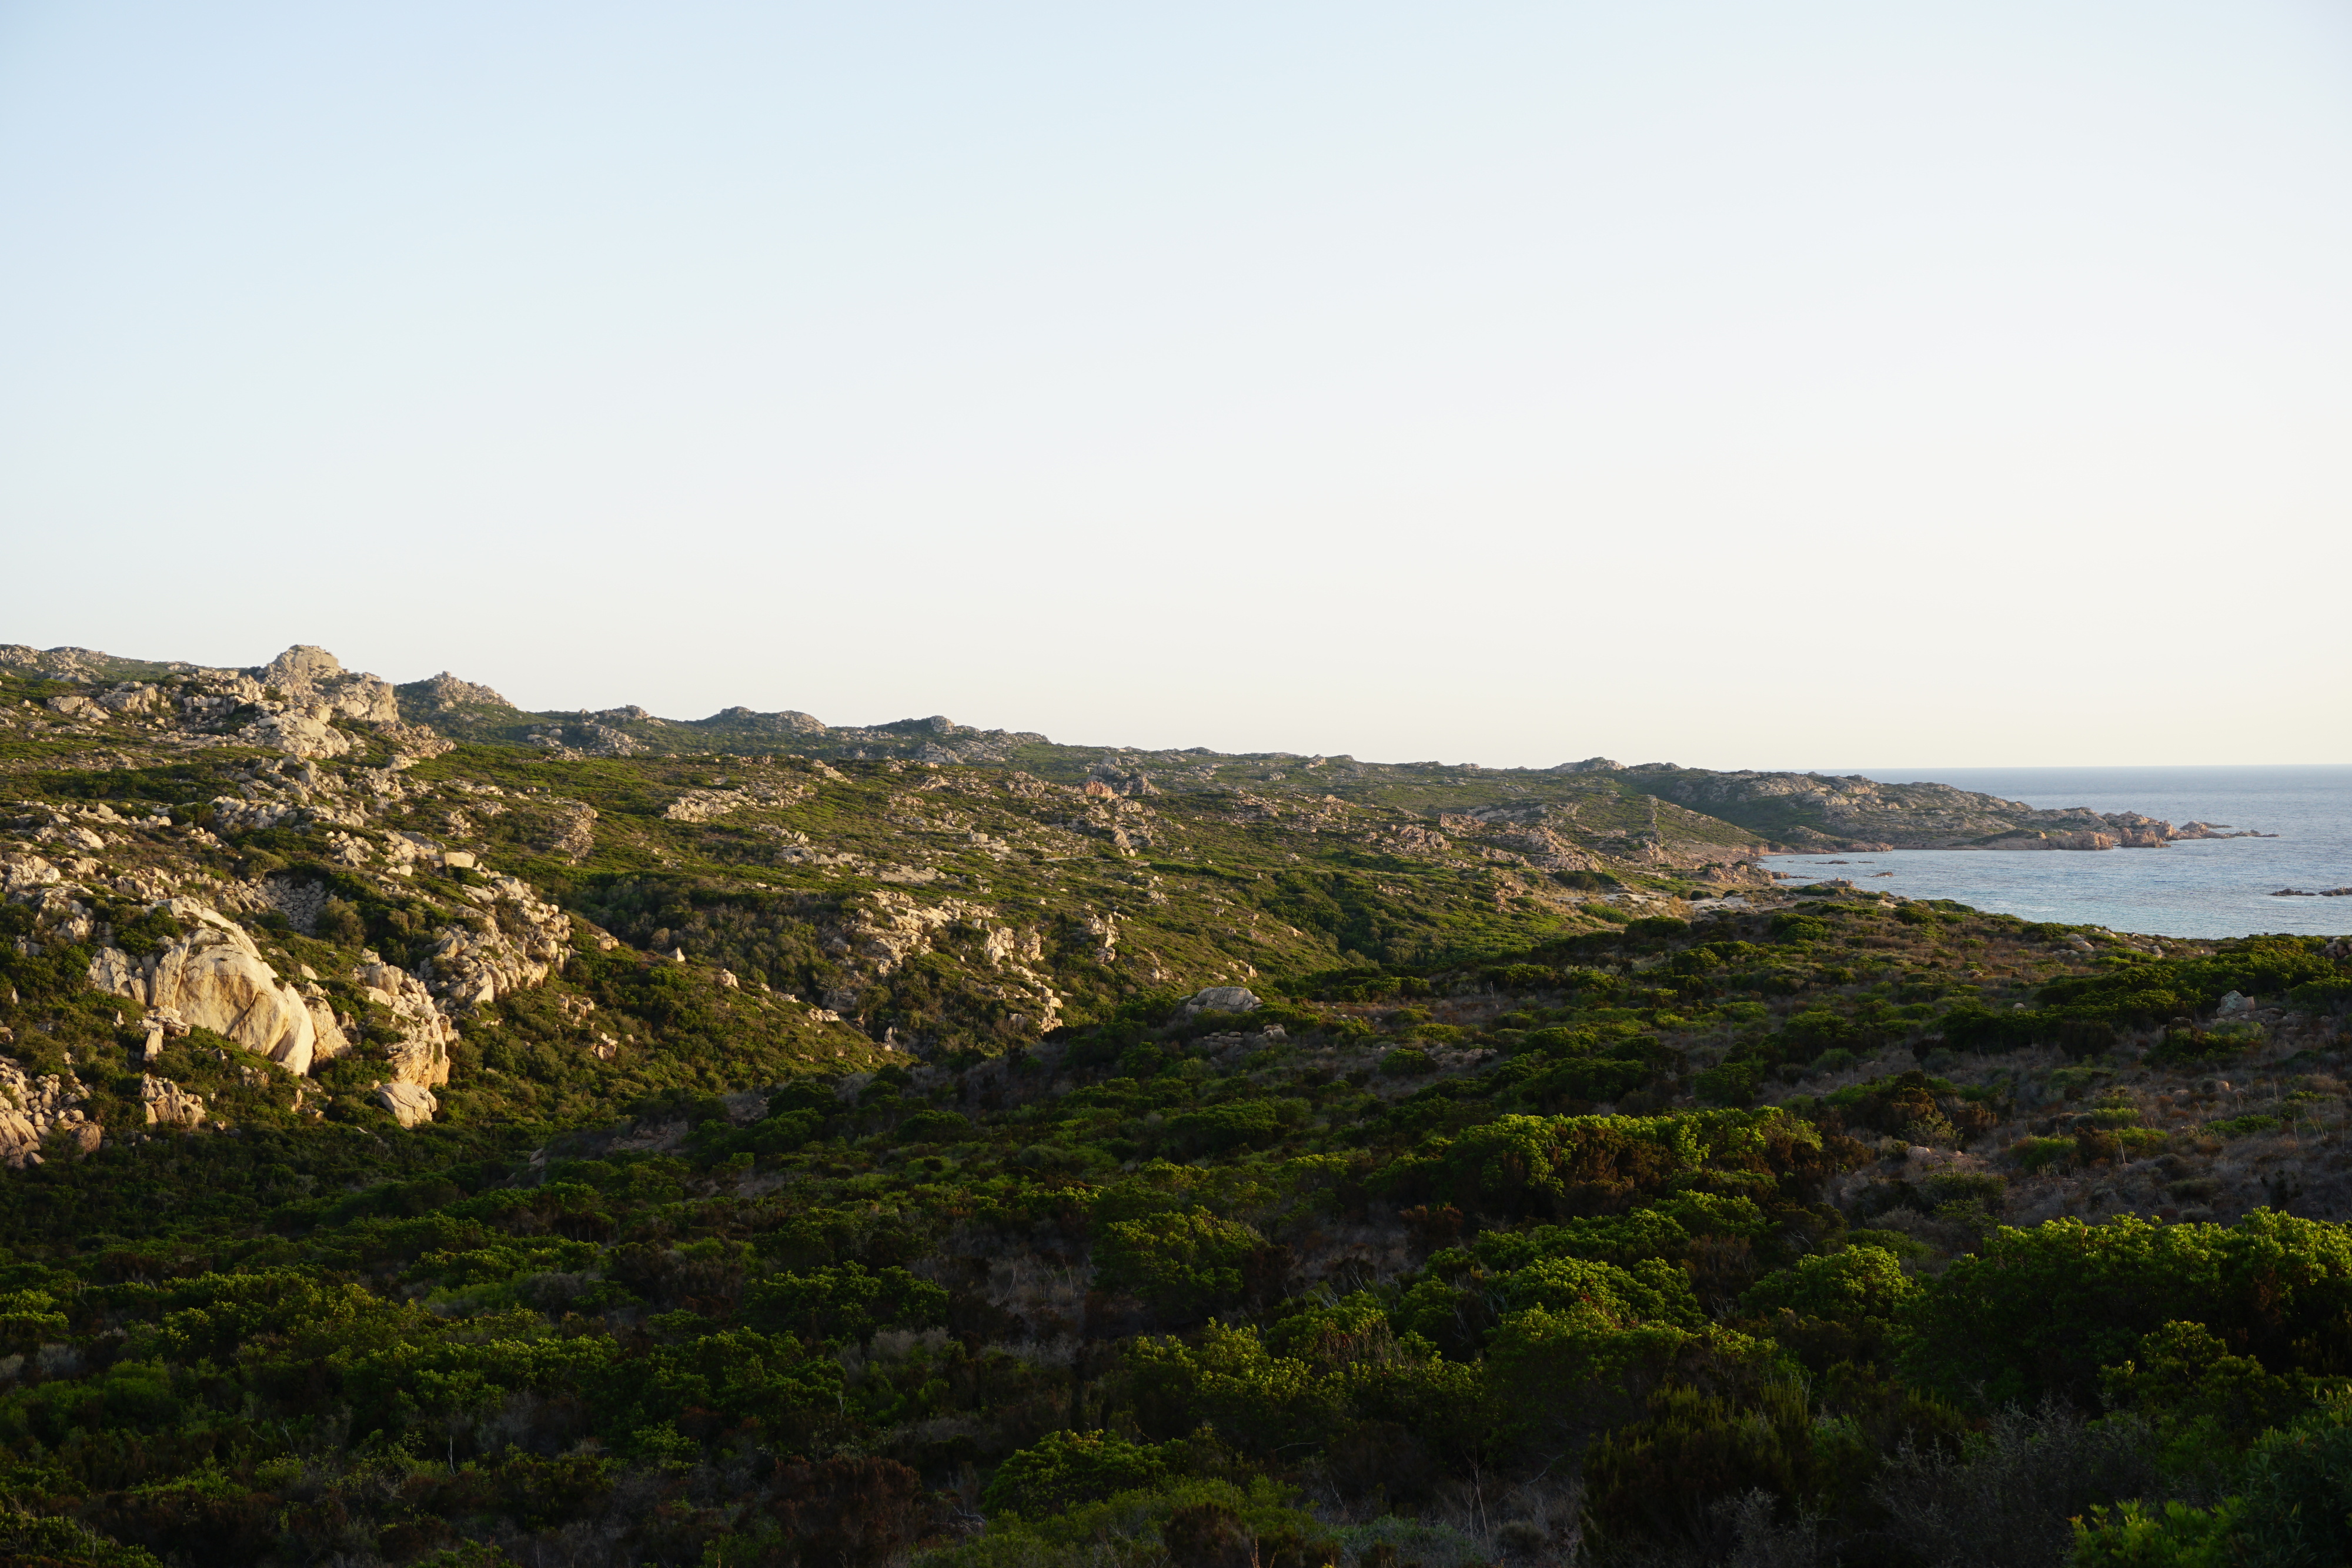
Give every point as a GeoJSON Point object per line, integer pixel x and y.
{"type": "Point", "coordinates": [1522, 1223]}
{"type": "Point", "coordinates": [1444, 1266]}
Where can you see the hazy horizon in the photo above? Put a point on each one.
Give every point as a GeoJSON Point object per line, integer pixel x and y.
{"type": "Point", "coordinates": [1927, 773]}
{"type": "Point", "coordinates": [1515, 384]}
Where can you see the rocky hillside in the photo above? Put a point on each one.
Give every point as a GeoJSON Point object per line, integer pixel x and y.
{"type": "Point", "coordinates": [1573, 816]}
{"type": "Point", "coordinates": [348, 878]}
{"type": "Point", "coordinates": [383, 889]}
{"type": "Point", "coordinates": [435, 1136]}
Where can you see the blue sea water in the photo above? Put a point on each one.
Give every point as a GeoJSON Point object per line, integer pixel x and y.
{"type": "Point", "coordinates": [2211, 887]}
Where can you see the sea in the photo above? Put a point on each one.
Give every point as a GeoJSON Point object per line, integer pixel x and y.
{"type": "Point", "coordinates": [2208, 887]}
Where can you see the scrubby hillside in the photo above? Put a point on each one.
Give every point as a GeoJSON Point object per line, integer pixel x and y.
{"type": "Point", "coordinates": [427, 1151]}
{"type": "Point", "coordinates": [1573, 817]}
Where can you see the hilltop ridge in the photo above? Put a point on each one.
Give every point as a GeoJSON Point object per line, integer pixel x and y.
{"type": "Point", "coordinates": [1594, 807]}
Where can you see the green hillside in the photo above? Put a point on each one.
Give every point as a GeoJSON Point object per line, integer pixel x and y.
{"type": "Point", "coordinates": [480, 1152]}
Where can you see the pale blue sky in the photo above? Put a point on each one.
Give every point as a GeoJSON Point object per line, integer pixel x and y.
{"type": "Point", "coordinates": [1733, 383]}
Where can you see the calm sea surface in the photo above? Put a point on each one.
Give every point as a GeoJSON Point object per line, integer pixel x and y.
{"type": "Point", "coordinates": [2215, 887]}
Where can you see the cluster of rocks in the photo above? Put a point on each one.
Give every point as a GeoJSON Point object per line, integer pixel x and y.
{"type": "Point", "coordinates": [445, 694]}
{"type": "Point", "coordinates": [522, 942]}
{"type": "Point", "coordinates": [883, 929]}
{"type": "Point", "coordinates": [208, 972]}
{"type": "Point", "coordinates": [302, 704]}
{"type": "Point", "coordinates": [1116, 778]}
{"type": "Point", "coordinates": [33, 1108]}
{"type": "Point", "coordinates": [705, 805]}
{"type": "Point", "coordinates": [1103, 813]}
{"type": "Point", "coordinates": [628, 731]}
{"type": "Point", "coordinates": [1221, 999]}
{"type": "Point", "coordinates": [1229, 1049]}
{"type": "Point", "coordinates": [584, 740]}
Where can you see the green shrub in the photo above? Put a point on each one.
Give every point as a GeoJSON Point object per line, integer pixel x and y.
{"type": "Point", "coordinates": [1981, 1187]}
{"type": "Point", "coordinates": [2037, 1154]}
{"type": "Point", "coordinates": [2202, 1401]}
{"type": "Point", "coordinates": [1243, 1123]}
{"type": "Point", "coordinates": [1794, 928]}
{"type": "Point", "coordinates": [342, 924]}
{"type": "Point", "coordinates": [844, 1302]}
{"type": "Point", "coordinates": [1568, 1166]}
{"type": "Point", "coordinates": [1066, 1467]}
{"type": "Point", "coordinates": [1646, 1292]}
{"type": "Point", "coordinates": [1971, 1025]}
{"type": "Point", "coordinates": [2242, 1126]}
{"type": "Point", "coordinates": [1189, 1522]}
{"type": "Point", "coordinates": [1587, 1078]}
{"type": "Point", "coordinates": [1562, 1040]}
{"type": "Point", "coordinates": [2292, 1505]}
{"type": "Point", "coordinates": [2321, 997]}
{"type": "Point", "coordinates": [1897, 1243]}
{"type": "Point", "coordinates": [1731, 1083]}
{"type": "Point", "coordinates": [2041, 1310]}
{"type": "Point", "coordinates": [1406, 1062]}
{"type": "Point", "coordinates": [1859, 1284]}
{"type": "Point", "coordinates": [1189, 1263]}
{"type": "Point", "coordinates": [52, 1542]}
{"type": "Point", "coordinates": [2196, 1047]}
{"type": "Point", "coordinates": [1656, 1480]}
{"type": "Point", "coordinates": [28, 1318]}
{"type": "Point", "coordinates": [935, 1126]}
{"type": "Point", "coordinates": [1144, 1061]}
{"type": "Point", "coordinates": [1259, 1402]}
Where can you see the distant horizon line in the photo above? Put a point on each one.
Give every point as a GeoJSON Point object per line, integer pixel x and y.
{"type": "Point", "coordinates": [2065, 766]}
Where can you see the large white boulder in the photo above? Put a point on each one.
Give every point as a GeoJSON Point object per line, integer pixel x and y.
{"type": "Point", "coordinates": [20, 1140]}
{"type": "Point", "coordinates": [408, 1103]}
{"type": "Point", "coordinates": [216, 978]}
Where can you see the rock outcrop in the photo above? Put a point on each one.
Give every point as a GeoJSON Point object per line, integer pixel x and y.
{"type": "Point", "coordinates": [409, 1104]}
{"type": "Point", "coordinates": [214, 978]}
{"type": "Point", "coordinates": [883, 929]}
{"type": "Point", "coordinates": [2029, 839]}
{"type": "Point", "coordinates": [444, 692]}
{"type": "Point", "coordinates": [168, 1104]}
{"type": "Point", "coordinates": [418, 1049]}
{"type": "Point", "coordinates": [302, 692]}
{"type": "Point", "coordinates": [1224, 999]}
{"type": "Point", "coordinates": [33, 1108]}
{"type": "Point", "coordinates": [518, 942]}
{"type": "Point", "coordinates": [706, 805]}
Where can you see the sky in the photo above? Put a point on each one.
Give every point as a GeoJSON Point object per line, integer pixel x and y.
{"type": "Point", "coordinates": [1704, 381]}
